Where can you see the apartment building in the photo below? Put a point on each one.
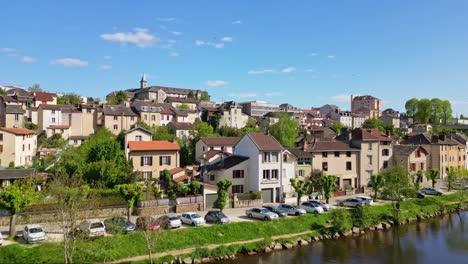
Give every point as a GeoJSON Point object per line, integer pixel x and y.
{"type": "Point", "coordinates": [232, 115]}
{"type": "Point", "coordinates": [117, 117]}
{"type": "Point", "coordinates": [51, 115]}
{"type": "Point", "coordinates": [149, 113]}
{"type": "Point", "coordinates": [43, 98]}
{"type": "Point", "coordinates": [17, 146]}
{"type": "Point", "coordinates": [368, 105]}
{"type": "Point", "coordinates": [259, 108]}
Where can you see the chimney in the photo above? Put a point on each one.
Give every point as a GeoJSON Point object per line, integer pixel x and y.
{"type": "Point", "coordinates": [442, 137]}
{"type": "Point", "coordinates": [435, 139]}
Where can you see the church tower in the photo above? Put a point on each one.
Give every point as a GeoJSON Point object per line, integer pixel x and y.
{"type": "Point", "coordinates": [143, 81]}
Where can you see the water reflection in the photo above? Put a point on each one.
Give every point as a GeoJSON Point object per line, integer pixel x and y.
{"type": "Point", "coordinates": [440, 240]}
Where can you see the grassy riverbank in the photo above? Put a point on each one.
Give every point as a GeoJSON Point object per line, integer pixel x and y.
{"type": "Point", "coordinates": [125, 246]}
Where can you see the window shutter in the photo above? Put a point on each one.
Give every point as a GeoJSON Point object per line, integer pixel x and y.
{"type": "Point", "coordinates": [168, 160]}
{"type": "Point", "coordinates": [233, 174]}
{"type": "Point", "coordinates": [141, 161]}
{"type": "Point", "coordinates": [151, 161]}
{"type": "Point", "coordinates": [242, 173]}
{"type": "Point", "coordinates": [160, 161]}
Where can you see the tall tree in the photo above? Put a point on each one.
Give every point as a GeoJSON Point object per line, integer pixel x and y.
{"type": "Point", "coordinates": [411, 107]}
{"type": "Point", "coordinates": [453, 174]}
{"type": "Point", "coordinates": [423, 112]}
{"type": "Point", "coordinates": [432, 176]}
{"type": "Point", "coordinates": [204, 96]}
{"type": "Point", "coordinates": [446, 113]}
{"type": "Point", "coordinates": [285, 130]}
{"type": "Point", "coordinates": [130, 192]}
{"type": "Point", "coordinates": [223, 187]}
{"type": "Point", "coordinates": [377, 181]}
{"type": "Point", "coordinates": [69, 99]}
{"type": "Point", "coordinates": [118, 98]}
{"type": "Point", "coordinates": [35, 88]}
{"type": "Point", "coordinates": [436, 110]}
{"type": "Point", "coordinates": [372, 123]}
{"type": "Point", "coordinates": [397, 185]}
{"type": "Point", "coordinates": [328, 184]}
{"type": "Point", "coordinates": [15, 198]}
{"type": "Point", "coordinates": [301, 187]}
{"type": "Point", "coordinates": [337, 126]}
{"type": "Point", "coordinates": [418, 179]}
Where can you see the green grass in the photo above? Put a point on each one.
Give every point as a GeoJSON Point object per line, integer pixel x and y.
{"type": "Point", "coordinates": [124, 246]}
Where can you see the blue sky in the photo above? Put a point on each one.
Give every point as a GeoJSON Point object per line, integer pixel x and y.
{"type": "Point", "coordinates": [307, 53]}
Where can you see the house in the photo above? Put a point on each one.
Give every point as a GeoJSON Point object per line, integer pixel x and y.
{"type": "Point", "coordinates": [14, 116]}
{"type": "Point", "coordinates": [180, 130]}
{"type": "Point", "coordinates": [222, 144]}
{"type": "Point", "coordinates": [421, 128]}
{"type": "Point", "coordinates": [180, 102]}
{"type": "Point", "coordinates": [180, 175]}
{"type": "Point", "coordinates": [303, 165]}
{"type": "Point", "coordinates": [186, 115]}
{"type": "Point", "coordinates": [17, 95]}
{"type": "Point", "coordinates": [334, 157]}
{"type": "Point", "coordinates": [87, 121]}
{"type": "Point", "coordinates": [150, 158]}
{"type": "Point", "coordinates": [117, 117]}
{"type": "Point", "coordinates": [258, 108]}
{"type": "Point", "coordinates": [462, 139]}
{"type": "Point", "coordinates": [390, 120]}
{"type": "Point", "coordinates": [51, 115]}
{"type": "Point", "coordinates": [32, 115]}
{"type": "Point", "coordinates": [212, 156]}
{"type": "Point", "coordinates": [231, 115]}
{"type": "Point", "coordinates": [43, 98]}
{"type": "Point", "coordinates": [17, 146]}
{"type": "Point", "coordinates": [149, 113]}
{"type": "Point", "coordinates": [136, 134]}
{"type": "Point", "coordinates": [8, 176]}
{"type": "Point", "coordinates": [376, 151]}
{"type": "Point", "coordinates": [62, 130]}
{"type": "Point", "coordinates": [267, 171]}
{"type": "Point", "coordinates": [368, 105]}
{"type": "Point", "coordinates": [235, 168]}
{"type": "Point", "coordinates": [167, 116]}
{"type": "Point", "coordinates": [413, 158]}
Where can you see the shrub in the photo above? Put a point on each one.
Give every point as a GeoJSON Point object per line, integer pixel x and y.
{"type": "Point", "coordinates": [341, 220]}
{"type": "Point", "coordinates": [362, 217]}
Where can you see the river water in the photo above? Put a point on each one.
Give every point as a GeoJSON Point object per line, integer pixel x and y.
{"type": "Point", "coordinates": [442, 240]}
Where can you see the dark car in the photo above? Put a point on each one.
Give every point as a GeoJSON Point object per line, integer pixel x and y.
{"type": "Point", "coordinates": [119, 224]}
{"type": "Point", "coordinates": [216, 217]}
{"type": "Point", "coordinates": [147, 223]}
{"type": "Point", "coordinates": [275, 210]}
{"type": "Point", "coordinates": [420, 195]}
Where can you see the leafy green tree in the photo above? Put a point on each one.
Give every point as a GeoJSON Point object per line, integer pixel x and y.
{"type": "Point", "coordinates": [130, 192]}
{"type": "Point", "coordinates": [183, 106]}
{"type": "Point", "coordinates": [226, 131]}
{"type": "Point", "coordinates": [328, 184]}
{"type": "Point", "coordinates": [251, 126]}
{"type": "Point", "coordinates": [436, 110]}
{"type": "Point", "coordinates": [191, 94]}
{"type": "Point", "coordinates": [157, 192]}
{"type": "Point", "coordinates": [362, 217]}
{"type": "Point", "coordinates": [377, 181]}
{"type": "Point", "coordinates": [165, 178]}
{"type": "Point", "coordinates": [316, 180]}
{"type": "Point", "coordinates": [69, 99]}
{"type": "Point", "coordinates": [223, 188]}
{"type": "Point", "coordinates": [15, 198]}
{"type": "Point", "coordinates": [418, 179]}
{"type": "Point", "coordinates": [301, 187]}
{"type": "Point", "coordinates": [453, 174]}
{"type": "Point", "coordinates": [423, 112]}
{"type": "Point", "coordinates": [446, 113]}
{"type": "Point", "coordinates": [338, 127]}
{"type": "Point", "coordinates": [2, 92]}
{"type": "Point", "coordinates": [432, 176]}
{"type": "Point", "coordinates": [285, 130]}
{"type": "Point", "coordinates": [119, 98]}
{"type": "Point", "coordinates": [172, 190]}
{"type": "Point", "coordinates": [341, 220]}
{"type": "Point", "coordinates": [162, 133]}
{"type": "Point", "coordinates": [30, 125]}
{"type": "Point", "coordinates": [397, 185]}
{"type": "Point", "coordinates": [204, 96]}
{"type": "Point", "coordinates": [372, 123]}
{"type": "Point", "coordinates": [194, 187]}
{"type": "Point", "coordinates": [411, 107]}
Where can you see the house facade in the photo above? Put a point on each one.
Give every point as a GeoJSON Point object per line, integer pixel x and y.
{"type": "Point", "coordinates": [17, 146]}
{"type": "Point", "coordinates": [206, 144]}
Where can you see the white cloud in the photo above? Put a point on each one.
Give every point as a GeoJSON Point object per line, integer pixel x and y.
{"type": "Point", "coordinates": [140, 37]}
{"type": "Point", "coordinates": [216, 83]}
{"type": "Point", "coordinates": [176, 33]}
{"type": "Point", "coordinates": [313, 54]}
{"type": "Point", "coordinates": [199, 43]}
{"type": "Point", "coordinates": [272, 94]}
{"type": "Point", "coordinates": [237, 22]}
{"type": "Point", "coordinates": [227, 39]}
{"type": "Point", "coordinates": [331, 56]}
{"type": "Point", "coordinates": [340, 98]}
{"type": "Point", "coordinates": [166, 19]}
{"type": "Point", "coordinates": [69, 62]}
{"type": "Point", "coordinates": [28, 59]}
{"type": "Point", "coordinates": [174, 54]}
{"type": "Point", "coordinates": [262, 71]}
{"type": "Point", "coordinates": [243, 95]}
{"type": "Point", "coordinates": [105, 67]}
{"type": "Point", "coordinates": [288, 70]}
{"type": "Point", "coordinates": [107, 57]}
{"type": "Point", "coordinates": [7, 50]}
{"type": "Point", "coordinates": [219, 45]}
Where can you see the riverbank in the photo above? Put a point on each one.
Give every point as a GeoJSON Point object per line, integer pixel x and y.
{"type": "Point", "coordinates": [225, 241]}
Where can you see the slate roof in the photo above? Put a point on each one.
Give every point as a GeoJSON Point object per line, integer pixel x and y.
{"type": "Point", "coordinates": [139, 128]}
{"type": "Point", "coordinates": [265, 142]}
{"type": "Point", "coordinates": [14, 109]}
{"type": "Point", "coordinates": [425, 138]}
{"type": "Point", "coordinates": [18, 131]}
{"type": "Point", "coordinates": [406, 150]}
{"type": "Point", "coordinates": [299, 153]}
{"type": "Point", "coordinates": [181, 100]}
{"type": "Point", "coordinates": [54, 107]}
{"type": "Point", "coordinates": [328, 145]}
{"type": "Point", "coordinates": [15, 174]}
{"type": "Point", "coordinates": [181, 125]}
{"type": "Point", "coordinates": [118, 110]}
{"type": "Point", "coordinates": [220, 141]}
{"type": "Point", "coordinates": [365, 97]}
{"type": "Point", "coordinates": [226, 163]}
{"type": "Point", "coordinates": [153, 145]}
{"type": "Point", "coordinates": [211, 153]}
{"type": "Point", "coordinates": [370, 135]}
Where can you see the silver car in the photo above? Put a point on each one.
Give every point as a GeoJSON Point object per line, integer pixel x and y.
{"type": "Point", "coordinates": [430, 191]}
{"type": "Point", "coordinates": [261, 213]}
{"type": "Point", "coordinates": [366, 199]}
{"type": "Point", "coordinates": [170, 221]}
{"type": "Point", "coordinates": [312, 208]}
{"type": "Point", "coordinates": [324, 206]}
{"type": "Point", "coordinates": [291, 209]}
{"type": "Point", "coordinates": [352, 202]}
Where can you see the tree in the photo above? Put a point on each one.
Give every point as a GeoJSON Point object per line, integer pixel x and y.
{"type": "Point", "coordinates": [328, 184]}
{"type": "Point", "coordinates": [165, 178]}
{"type": "Point", "coordinates": [423, 112]}
{"type": "Point", "coordinates": [285, 130]}
{"type": "Point", "coordinates": [30, 125]}
{"type": "Point", "coordinates": [337, 126]}
{"type": "Point", "coordinates": [377, 182]}
{"type": "Point", "coordinates": [436, 110]}
{"type": "Point", "coordinates": [418, 179]}
{"type": "Point", "coordinates": [183, 106]}
{"type": "Point", "coordinates": [316, 180]}
{"type": "Point", "coordinates": [130, 192]}
{"type": "Point", "coordinates": [194, 187]}
{"type": "Point", "coordinates": [411, 107]}
{"type": "Point", "coordinates": [251, 126]}
{"type": "Point", "coordinates": [301, 187]}
{"type": "Point", "coordinates": [201, 129]}
{"type": "Point", "coordinates": [396, 186]}
{"type": "Point", "coordinates": [69, 99]}
{"type": "Point", "coordinates": [162, 133]}
{"type": "Point", "coordinates": [372, 123]}
{"type": "Point", "coordinates": [191, 94]}
{"type": "Point", "coordinates": [432, 176]}
{"type": "Point", "coordinates": [204, 96]}
{"type": "Point", "coordinates": [341, 220]}
{"type": "Point", "coordinates": [452, 175]}
{"type": "Point", "coordinates": [15, 198]}
{"type": "Point", "coordinates": [118, 98]}
{"type": "Point", "coordinates": [35, 88]}
{"type": "Point", "coordinates": [446, 113]}
{"type": "Point", "coordinates": [223, 187]}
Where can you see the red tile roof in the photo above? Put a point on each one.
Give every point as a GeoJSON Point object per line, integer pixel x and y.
{"type": "Point", "coordinates": [152, 145]}
{"type": "Point", "coordinates": [18, 131]}
{"type": "Point", "coordinates": [370, 135]}
{"type": "Point", "coordinates": [60, 126]}
{"type": "Point", "coordinates": [176, 170]}
{"type": "Point", "coordinates": [220, 141]}
{"type": "Point", "coordinates": [41, 96]}
{"type": "Point", "coordinates": [182, 178]}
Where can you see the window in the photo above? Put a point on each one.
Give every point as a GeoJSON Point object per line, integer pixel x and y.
{"type": "Point", "coordinates": [385, 152]}
{"type": "Point", "coordinates": [274, 156]}
{"type": "Point", "coordinates": [165, 160]}
{"type": "Point", "coordinates": [348, 154]}
{"type": "Point", "coordinates": [204, 148]}
{"type": "Point", "coordinates": [116, 127]}
{"type": "Point", "coordinates": [324, 154]}
{"type": "Point", "coordinates": [349, 165]}
{"type": "Point", "coordinates": [238, 188]}
{"type": "Point", "coordinates": [88, 110]}
{"type": "Point", "coordinates": [138, 138]}
{"type": "Point", "coordinates": [145, 117]}
{"type": "Point", "coordinates": [167, 117]}
{"type": "Point", "coordinates": [421, 166]}
{"type": "Point", "coordinates": [266, 174]}
{"type": "Point", "coordinates": [325, 166]}
{"type": "Point", "coordinates": [236, 174]}
{"type": "Point", "coordinates": [23, 147]}
{"type": "Point", "coordinates": [301, 173]}
{"type": "Point", "coordinates": [116, 118]}
{"type": "Point", "coordinates": [385, 164]}
{"type": "Point", "coordinates": [146, 161]}
{"type": "Point", "coordinates": [274, 174]}
{"type": "Point", "coordinates": [303, 162]}
{"type": "Point", "coordinates": [370, 146]}
{"type": "Point", "coordinates": [1, 148]}
{"type": "Point", "coordinates": [413, 167]}
{"type": "Point", "coordinates": [53, 120]}
{"type": "Point", "coordinates": [153, 118]}
{"type": "Point", "coordinates": [1, 136]}
{"type": "Point", "coordinates": [53, 112]}
{"type": "Point", "coordinates": [369, 160]}
{"type": "Point", "coordinates": [132, 118]}
{"type": "Point", "coordinates": [212, 177]}
{"type": "Point", "coordinates": [16, 117]}
{"type": "Point", "coordinates": [337, 154]}
{"type": "Point", "coordinates": [147, 175]}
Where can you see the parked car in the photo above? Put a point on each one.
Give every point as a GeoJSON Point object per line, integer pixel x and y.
{"type": "Point", "coordinates": [34, 233]}
{"type": "Point", "coordinates": [420, 195]}
{"type": "Point", "coordinates": [192, 218]}
{"type": "Point", "coordinates": [291, 209]}
{"type": "Point", "coordinates": [430, 191]}
{"type": "Point", "coordinates": [170, 221]}
{"type": "Point", "coordinates": [216, 217]}
{"type": "Point", "coordinates": [324, 206]}
{"type": "Point", "coordinates": [275, 210]}
{"type": "Point", "coordinates": [352, 202]}
{"type": "Point", "coordinates": [261, 213]}
{"type": "Point", "coordinates": [119, 224]}
{"type": "Point", "coordinates": [92, 228]}
{"type": "Point", "coordinates": [366, 199]}
{"type": "Point", "coordinates": [312, 208]}
{"type": "Point", "coordinates": [147, 223]}
{"type": "Point", "coordinates": [392, 197]}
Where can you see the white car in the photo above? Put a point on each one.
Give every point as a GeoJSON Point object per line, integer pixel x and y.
{"type": "Point", "coordinates": [192, 218]}
{"type": "Point", "coordinates": [312, 207]}
{"type": "Point", "coordinates": [366, 199]}
{"type": "Point", "coordinates": [324, 206]}
{"type": "Point", "coordinates": [92, 228]}
{"type": "Point", "coordinates": [261, 213]}
{"type": "Point", "coordinates": [291, 209]}
{"type": "Point", "coordinates": [34, 233]}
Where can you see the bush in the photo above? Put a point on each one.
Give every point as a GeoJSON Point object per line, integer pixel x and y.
{"type": "Point", "coordinates": [341, 220]}
{"type": "Point", "coordinates": [362, 217]}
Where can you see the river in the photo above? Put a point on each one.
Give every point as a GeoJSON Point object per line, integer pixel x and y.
{"type": "Point", "coordinates": [442, 240]}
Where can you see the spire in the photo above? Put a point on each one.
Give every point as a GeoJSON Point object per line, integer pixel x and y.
{"type": "Point", "coordinates": [143, 81]}
{"type": "Point", "coordinates": [143, 77]}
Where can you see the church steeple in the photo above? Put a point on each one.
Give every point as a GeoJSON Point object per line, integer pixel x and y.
{"type": "Point", "coordinates": [143, 81]}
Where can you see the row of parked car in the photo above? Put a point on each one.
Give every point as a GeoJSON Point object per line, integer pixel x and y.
{"type": "Point", "coordinates": [269, 213]}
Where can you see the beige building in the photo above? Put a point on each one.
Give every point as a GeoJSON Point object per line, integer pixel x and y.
{"type": "Point", "coordinates": [44, 98]}
{"type": "Point", "coordinates": [149, 113]}
{"type": "Point", "coordinates": [136, 134]}
{"type": "Point", "coordinates": [232, 115]}
{"type": "Point", "coordinates": [390, 120]}
{"type": "Point", "coordinates": [367, 105]}
{"type": "Point", "coordinates": [186, 116]}
{"type": "Point", "coordinates": [414, 158]}
{"type": "Point", "coordinates": [116, 118]}
{"type": "Point", "coordinates": [180, 130]}
{"type": "Point", "coordinates": [14, 116]}
{"type": "Point", "coordinates": [303, 164]}
{"type": "Point", "coordinates": [62, 130]}
{"type": "Point", "coordinates": [235, 168]}
{"type": "Point", "coordinates": [207, 144]}
{"type": "Point", "coordinates": [150, 158]}
{"type": "Point", "coordinates": [17, 145]}
{"type": "Point", "coordinates": [51, 115]}
{"type": "Point", "coordinates": [190, 103]}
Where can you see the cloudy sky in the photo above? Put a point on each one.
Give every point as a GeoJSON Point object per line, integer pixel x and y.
{"type": "Point", "coordinates": [306, 53]}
